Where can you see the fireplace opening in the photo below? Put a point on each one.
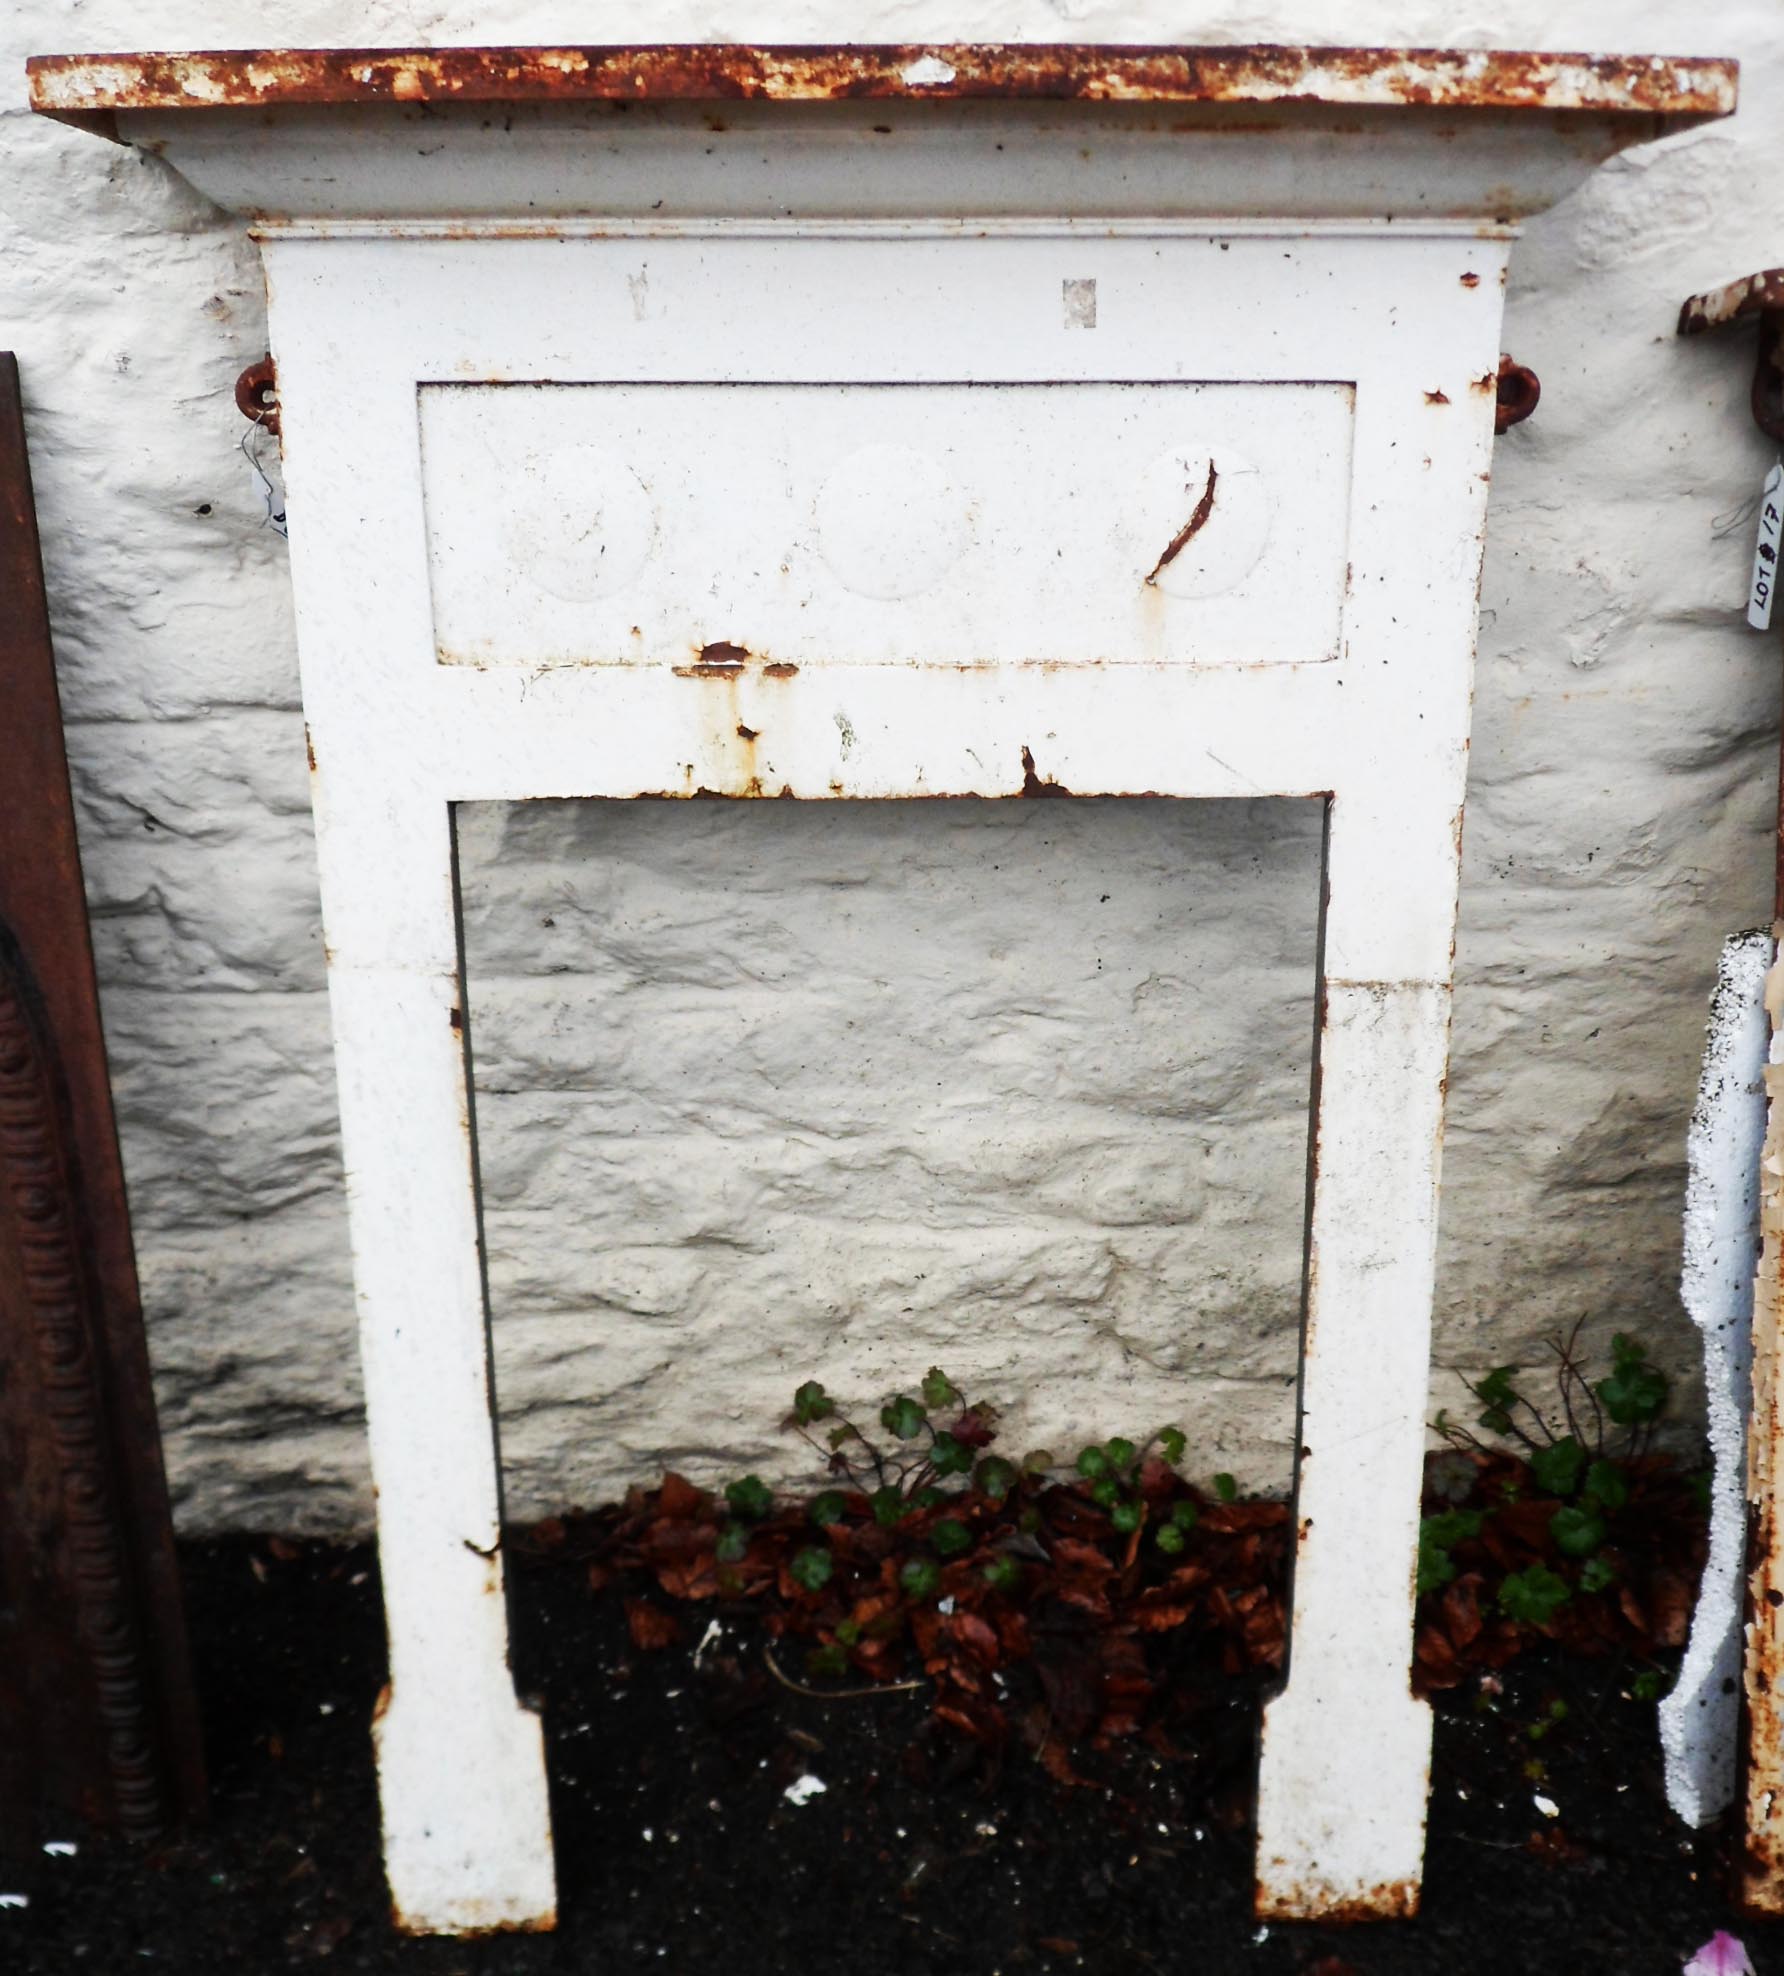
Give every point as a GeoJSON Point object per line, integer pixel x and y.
{"type": "Point", "coordinates": [774, 1091]}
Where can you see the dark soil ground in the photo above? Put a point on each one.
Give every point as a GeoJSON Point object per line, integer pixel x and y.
{"type": "Point", "coordinates": [679, 1850]}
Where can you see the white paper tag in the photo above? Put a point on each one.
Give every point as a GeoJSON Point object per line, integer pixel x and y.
{"type": "Point", "coordinates": [1765, 550]}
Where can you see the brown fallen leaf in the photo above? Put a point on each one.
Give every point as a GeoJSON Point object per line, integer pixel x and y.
{"type": "Point", "coordinates": [679, 1498]}
{"type": "Point", "coordinates": [652, 1629]}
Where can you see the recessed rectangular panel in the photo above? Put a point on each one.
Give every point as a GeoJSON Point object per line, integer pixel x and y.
{"type": "Point", "coordinates": [955, 524]}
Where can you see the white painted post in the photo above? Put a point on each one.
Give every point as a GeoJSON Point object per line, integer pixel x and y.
{"type": "Point", "coordinates": [461, 1765]}
{"type": "Point", "coordinates": [1345, 1761]}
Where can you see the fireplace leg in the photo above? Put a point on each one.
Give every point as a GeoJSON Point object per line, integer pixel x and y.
{"type": "Point", "coordinates": [467, 1831]}
{"type": "Point", "coordinates": [1346, 1747]}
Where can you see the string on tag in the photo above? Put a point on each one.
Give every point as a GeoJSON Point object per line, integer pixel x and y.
{"type": "Point", "coordinates": [274, 517]}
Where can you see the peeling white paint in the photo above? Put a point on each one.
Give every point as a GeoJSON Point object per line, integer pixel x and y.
{"type": "Point", "coordinates": [927, 73]}
{"type": "Point", "coordinates": [1700, 1717]}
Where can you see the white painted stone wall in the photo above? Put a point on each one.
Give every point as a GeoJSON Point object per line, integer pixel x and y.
{"type": "Point", "coordinates": [777, 1091]}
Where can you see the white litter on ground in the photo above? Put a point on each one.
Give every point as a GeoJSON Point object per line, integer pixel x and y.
{"type": "Point", "coordinates": [803, 1789]}
{"type": "Point", "coordinates": [60, 1848]}
{"type": "Point", "coordinates": [15, 1900]}
{"type": "Point", "coordinates": [1547, 1806]}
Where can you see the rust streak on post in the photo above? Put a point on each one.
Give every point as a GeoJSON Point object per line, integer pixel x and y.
{"type": "Point", "coordinates": [89, 87]}
{"type": "Point", "coordinates": [1191, 528]}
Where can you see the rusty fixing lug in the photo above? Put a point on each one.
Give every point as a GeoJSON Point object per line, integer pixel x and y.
{"type": "Point", "coordinates": [1757, 297]}
{"type": "Point", "coordinates": [257, 394]}
{"type": "Point", "coordinates": [1519, 391]}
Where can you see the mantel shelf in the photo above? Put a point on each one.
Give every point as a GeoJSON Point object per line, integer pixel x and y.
{"type": "Point", "coordinates": [995, 130]}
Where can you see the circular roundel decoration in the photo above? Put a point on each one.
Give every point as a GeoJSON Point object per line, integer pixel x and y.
{"type": "Point", "coordinates": [891, 521]}
{"type": "Point", "coordinates": [1204, 512]}
{"type": "Point", "coordinates": [578, 521]}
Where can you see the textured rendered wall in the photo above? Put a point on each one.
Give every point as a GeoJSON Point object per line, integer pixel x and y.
{"type": "Point", "coordinates": [777, 1091]}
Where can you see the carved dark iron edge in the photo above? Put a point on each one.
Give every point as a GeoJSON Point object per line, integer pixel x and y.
{"type": "Point", "coordinates": [34, 1172]}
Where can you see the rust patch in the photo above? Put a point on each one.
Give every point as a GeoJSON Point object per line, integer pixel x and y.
{"type": "Point", "coordinates": [1392, 1900]}
{"type": "Point", "coordinates": [1518, 391]}
{"type": "Point", "coordinates": [470, 1929]}
{"type": "Point", "coordinates": [257, 394]}
{"type": "Point", "coordinates": [1674, 88]}
{"type": "Point", "coordinates": [1436, 397]}
{"type": "Point", "coordinates": [1471, 280]}
{"type": "Point", "coordinates": [1191, 528]}
{"type": "Point", "coordinates": [1033, 784]}
{"type": "Point", "coordinates": [1759, 297]}
{"type": "Point", "coordinates": [721, 652]}
{"type": "Point", "coordinates": [748, 733]}
{"type": "Point", "coordinates": [780, 670]}
{"type": "Point", "coordinates": [1758, 294]}
{"type": "Point", "coordinates": [309, 748]}
{"type": "Point", "coordinates": [457, 1019]}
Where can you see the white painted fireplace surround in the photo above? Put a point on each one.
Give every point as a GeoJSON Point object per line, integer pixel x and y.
{"type": "Point", "coordinates": [874, 424]}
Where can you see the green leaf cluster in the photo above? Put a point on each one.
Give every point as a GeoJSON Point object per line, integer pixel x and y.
{"type": "Point", "coordinates": [1533, 1595]}
{"type": "Point", "coordinates": [1635, 1393]}
{"type": "Point", "coordinates": [811, 1403]}
{"type": "Point", "coordinates": [1438, 1536]}
{"type": "Point", "coordinates": [811, 1568]}
{"type": "Point", "coordinates": [903, 1417]}
{"type": "Point", "coordinates": [751, 1498]}
{"type": "Point", "coordinates": [1173, 1533]}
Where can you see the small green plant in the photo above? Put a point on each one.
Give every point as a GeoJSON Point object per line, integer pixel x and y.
{"type": "Point", "coordinates": [904, 1479]}
{"type": "Point", "coordinates": [1584, 1459]}
{"type": "Point", "coordinates": [933, 1457]}
{"type": "Point", "coordinates": [1551, 1718]}
{"type": "Point", "coordinates": [1438, 1536]}
{"type": "Point", "coordinates": [751, 1499]}
{"type": "Point", "coordinates": [1112, 1468]}
{"type": "Point", "coordinates": [921, 1578]}
{"type": "Point", "coordinates": [1533, 1595]}
{"type": "Point", "coordinates": [1598, 1574]}
{"type": "Point", "coordinates": [936, 1439]}
{"type": "Point", "coordinates": [1003, 1573]}
{"type": "Point", "coordinates": [811, 1568]}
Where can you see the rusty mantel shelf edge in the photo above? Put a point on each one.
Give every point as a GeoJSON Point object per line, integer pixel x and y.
{"type": "Point", "coordinates": [89, 88]}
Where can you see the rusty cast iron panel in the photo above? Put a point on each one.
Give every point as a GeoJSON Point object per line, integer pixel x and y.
{"type": "Point", "coordinates": [96, 1707]}
{"type": "Point", "coordinates": [1435, 78]}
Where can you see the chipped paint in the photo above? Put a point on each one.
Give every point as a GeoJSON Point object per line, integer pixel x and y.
{"type": "Point", "coordinates": [1700, 1729]}
{"type": "Point", "coordinates": [1753, 295]}
{"type": "Point", "coordinates": [1757, 298]}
